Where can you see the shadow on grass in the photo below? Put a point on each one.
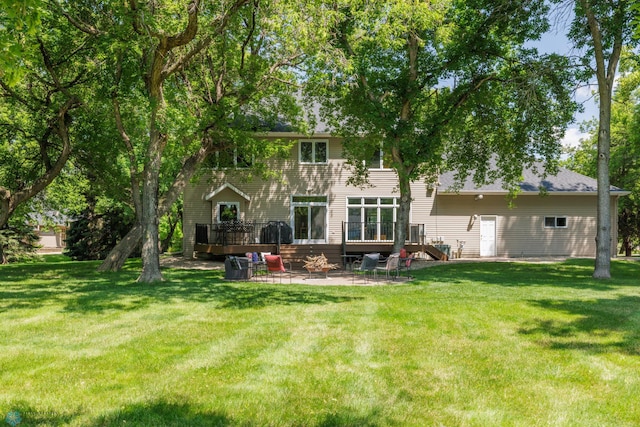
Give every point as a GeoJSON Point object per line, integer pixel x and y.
{"type": "Point", "coordinates": [80, 288]}
{"type": "Point", "coordinates": [572, 273]}
{"type": "Point", "coordinates": [598, 326]}
{"type": "Point", "coordinates": [163, 413]}
{"type": "Point", "coordinates": [345, 419]}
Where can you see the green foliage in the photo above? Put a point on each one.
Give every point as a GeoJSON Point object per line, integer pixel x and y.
{"type": "Point", "coordinates": [443, 86]}
{"type": "Point", "coordinates": [39, 113]}
{"type": "Point", "coordinates": [448, 82]}
{"type": "Point", "coordinates": [18, 242]}
{"type": "Point", "coordinates": [92, 235]}
{"type": "Point", "coordinates": [19, 20]}
{"type": "Point", "coordinates": [170, 229]}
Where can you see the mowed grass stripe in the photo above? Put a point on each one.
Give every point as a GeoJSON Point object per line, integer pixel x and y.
{"type": "Point", "coordinates": [464, 344]}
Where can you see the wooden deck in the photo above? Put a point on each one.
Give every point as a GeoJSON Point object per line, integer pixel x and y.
{"type": "Point", "coordinates": [296, 253]}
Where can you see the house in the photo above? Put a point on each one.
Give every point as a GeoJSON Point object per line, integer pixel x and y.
{"type": "Point", "coordinates": [51, 228]}
{"type": "Point", "coordinates": [312, 210]}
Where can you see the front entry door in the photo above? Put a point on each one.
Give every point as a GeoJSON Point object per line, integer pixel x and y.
{"type": "Point", "coordinates": [488, 236]}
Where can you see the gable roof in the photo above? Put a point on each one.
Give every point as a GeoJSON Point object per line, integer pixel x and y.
{"type": "Point", "coordinates": [564, 182]}
{"type": "Point", "coordinates": [230, 187]}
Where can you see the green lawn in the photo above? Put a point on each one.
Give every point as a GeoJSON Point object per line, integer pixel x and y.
{"type": "Point", "coordinates": [483, 344]}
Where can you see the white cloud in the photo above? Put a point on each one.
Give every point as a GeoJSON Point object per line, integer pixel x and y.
{"type": "Point", "coordinates": [572, 137]}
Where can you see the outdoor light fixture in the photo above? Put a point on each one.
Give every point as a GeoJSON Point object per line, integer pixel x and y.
{"type": "Point", "coordinates": [479, 197]}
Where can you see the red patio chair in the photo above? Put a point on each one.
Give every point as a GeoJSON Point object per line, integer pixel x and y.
{"type": "Point", "coordinates": [276, 265]}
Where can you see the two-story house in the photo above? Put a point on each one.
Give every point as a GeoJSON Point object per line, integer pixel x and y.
{"type": "Point", "coordinates": [312, 210]}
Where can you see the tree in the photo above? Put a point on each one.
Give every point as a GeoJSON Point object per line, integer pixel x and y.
{"type": "Point", "coordinates": [603, 28]}
{"type": "Point", "coordinates": [18, 240]}
{"type": "Point", "coordinates": [236, 65]}
{"type": "Point", "coordinates": [442, 86]}
{"type": "Point", "coordinates": [625, 145]}
{"type": "Point", "coordinates": [161, 40]}
{"type": "Point", "coordinates": [37, 113]}
{"type": "Point", "coordinates": [92, 235]}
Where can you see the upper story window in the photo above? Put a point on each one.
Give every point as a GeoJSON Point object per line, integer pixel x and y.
{"type": "Point", "coordinates": [379, 160]}
{"type": "Point", "coordinates": [313, 151]}
{"type": "Point", "coordinates": [230, 158]}
{"type": "Point", "coordinates": [555, 222]}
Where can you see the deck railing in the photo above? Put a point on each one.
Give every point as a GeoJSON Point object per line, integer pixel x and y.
{"type": "Point", "coordinates": [279, 232]}
{"type": "Point", "coordinates": [243, 233]}
{"type": "Point", "coordinates": [365, 232]}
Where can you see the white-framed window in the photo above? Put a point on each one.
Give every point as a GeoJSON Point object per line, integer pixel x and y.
{"type": "Point", "coordinates": [555, 222]}
{"type": "Point", "coordinates": [309, 215]}
{"type": "Point", "coordinates": [230, 158]}
{"type": "Point", "coordinates": [313, 151]}
{"type": "Point", "coordinates": [379, 160]}
{"type": "Point", "coordinates": [371, 218]}
{"type": "Point", "coordinates": [227, 211]}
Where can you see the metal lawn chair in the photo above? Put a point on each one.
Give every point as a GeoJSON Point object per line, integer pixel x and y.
{"type": "Point", "coordinates": [367, 266]}
{"type": "Point", "coordinates": [391, 266]}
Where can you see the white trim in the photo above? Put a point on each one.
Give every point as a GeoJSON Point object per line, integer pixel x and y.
{"type": "Point", "coordinates": [555, 222]}
{"type": "Point", "coordinates": [298, 135]}
{"type": "Point", "coordinates": [325, 204]}
{"type": "Point", "coordinates": [231, 187]}
{"type": "Point", "coordinates": [313, 150]}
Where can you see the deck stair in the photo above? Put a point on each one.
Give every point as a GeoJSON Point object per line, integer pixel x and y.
{"type": "Point", "coordinates": [436, 253]}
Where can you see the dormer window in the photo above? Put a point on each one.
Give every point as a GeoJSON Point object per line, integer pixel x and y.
{"type": "Point", "coordinates": [313, 151]}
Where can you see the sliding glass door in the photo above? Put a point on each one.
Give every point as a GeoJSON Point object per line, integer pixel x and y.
{"type": "Point", "coordinates": [309, 219]}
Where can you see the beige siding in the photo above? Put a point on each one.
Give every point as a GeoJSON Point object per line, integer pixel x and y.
{"type": "Point", "coordinates": [520, 230]}
{"type": "Point", "coordinates": [271, 200]}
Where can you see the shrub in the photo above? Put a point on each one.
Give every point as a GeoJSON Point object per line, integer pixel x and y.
{"type": "Point", "coordinates": [18, 242]}
{"type": "Point", "coordinates": [91, 236]}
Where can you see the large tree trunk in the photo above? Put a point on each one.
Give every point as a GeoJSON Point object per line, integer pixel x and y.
{"type": "Point", "coordinates": [119, 254]}
{"type": "Point", "coordinates": [162, 66]}
{"type": "Point", "coordinates": [150, 219]}
{"type": "Point", "coordinates": [402, 220]}
{"type": "Point", "coordinates": [605, 73]}
{"type": "Point", "coordinates": [603, 235]}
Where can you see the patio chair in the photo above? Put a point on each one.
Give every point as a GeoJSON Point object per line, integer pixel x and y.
{"type": "Point", "coordinates": [391, 266]}
{"type": "Point", "coordinates": [367, 266]}
{"type": "Point", "coordinates": [405, 264]}
{"type": "Point", "coordinates": [276, 265]}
